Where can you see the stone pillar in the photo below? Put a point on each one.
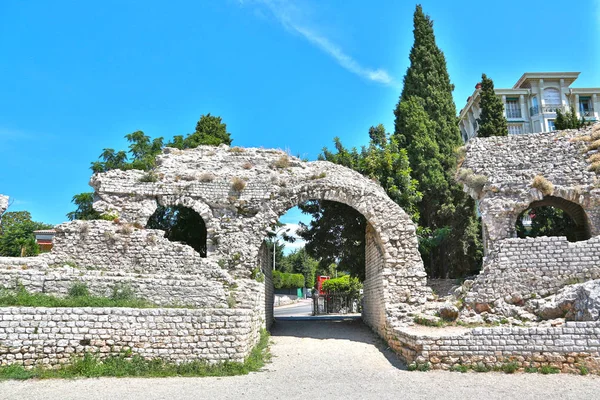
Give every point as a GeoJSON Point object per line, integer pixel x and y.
{"type": "Point", "coordinates": [576, 105]}
{"type": "Point", "coordinates": [523, 107]}
{"type": "Point", "coordinates": [504, 104]}
{"type": "Point", "coordinates": [596, 105]}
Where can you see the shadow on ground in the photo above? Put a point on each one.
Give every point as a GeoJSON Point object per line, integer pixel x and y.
{"type": "Point", "coordinates": [340, 329]}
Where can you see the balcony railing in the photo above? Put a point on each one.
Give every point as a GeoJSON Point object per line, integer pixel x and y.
{"type": "Point", "coordinates": [551, 108]}
{"type": "Point", "coordinates": [535, 110]}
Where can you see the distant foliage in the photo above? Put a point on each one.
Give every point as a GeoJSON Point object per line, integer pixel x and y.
{"type": "Point", "coordinates": [181, 224]}
{"type": "Point", "coordinates": [283, 280]}
{"type": "Point", "coordinates": [85, 210]}
{"type": "Point", "coordinates": [210, 130]}
{"type": "Point", "coordinates": [16, 234]}
{"type": "Point", "coordinates": [547, 221]}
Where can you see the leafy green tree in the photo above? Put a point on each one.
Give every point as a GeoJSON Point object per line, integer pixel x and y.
{"type": "Point", "coordinates": [141, 155]}
{"type": "Point", "coordinates": [210, 130]}
{"type": "Point", "coordinates": [491, 121]}
{"type": "Point", "coordinates": [84, 211]}
{"type": "Point", "coordinates": [300, 262]}
{"type": "Point", "coordinates": [336, 235]}
{"type": "Point", "coordinates": [425, 114]}
{"type": "Point", "coordinates": [16, 234]}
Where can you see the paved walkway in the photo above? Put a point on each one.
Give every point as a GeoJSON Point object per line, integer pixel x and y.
{"type": "Point", "coordinates": [320, 360]}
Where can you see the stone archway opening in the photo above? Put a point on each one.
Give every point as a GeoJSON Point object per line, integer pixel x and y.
{"type": "Point", "coordinates": [181, 224]}
{"type": "Point", "coordinates": [554, 216]}
{"type": "Point", "coordinates": [363, 245]}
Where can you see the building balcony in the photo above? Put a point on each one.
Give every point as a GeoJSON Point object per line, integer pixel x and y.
{"type": "Point", "coordinates": [551, 108]}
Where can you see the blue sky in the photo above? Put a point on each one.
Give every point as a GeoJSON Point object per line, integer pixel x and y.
{"type": "Point", "coordinates": [76, 76]}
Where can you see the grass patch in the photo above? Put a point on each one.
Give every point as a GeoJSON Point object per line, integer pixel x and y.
{"type": "Point", "coordinates": [78, 297]}
{"type": "Point", "coordinates": [149, 177]}
{"type": "Point", "coordinates": [124, 364]}
{"type": "Point", "coordinates": [282, 162]}
{"type": "Point", "coordinates": [459, 368]}
{"type": "Point", "coordinates": [419, 367]}
{"type": "Point", "coordinates": [436, 322]}
{"type": "Point", "coordinates": [548, 369]}
{"type": "Point", "coordinates": [510, 368]}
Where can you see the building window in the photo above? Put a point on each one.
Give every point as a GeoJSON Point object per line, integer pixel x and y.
{"type": "Point", "coordinates": [515, 129]}
{"type": "Point", "coordinates": [585, 107]}
{"type": "Point", "coordinates": [551, 126]}
{"type": "Point", "coordinates": [552, 97]}
{"type": "Point", "coordinates": [513, 108]}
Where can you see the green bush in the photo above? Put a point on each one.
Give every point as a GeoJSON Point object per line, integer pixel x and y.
{"type": "Point", "coordinates": [345, 284]}
{"type": "Point", "coordinates": [283, 280]}
{"type": "Point", "coordinates": [78, 289]}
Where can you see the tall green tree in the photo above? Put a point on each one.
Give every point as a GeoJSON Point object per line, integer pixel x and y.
{"type": "Point", "coordinates": [85, 210]}
{"type": "Point", "coordinates": [425, 114]}
{"type": "Point", "coordinates": [16, 234]}
{"type": "Point", "coordinates": [491, 121]}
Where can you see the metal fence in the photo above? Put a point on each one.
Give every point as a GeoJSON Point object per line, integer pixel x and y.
{"type": "Point", "coordinates": [336, 303]}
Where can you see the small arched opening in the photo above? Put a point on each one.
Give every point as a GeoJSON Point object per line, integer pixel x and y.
{"type": "Point", "coordinates": [554, 216]}
{"type": "Point", "coordinates": [181, 224]}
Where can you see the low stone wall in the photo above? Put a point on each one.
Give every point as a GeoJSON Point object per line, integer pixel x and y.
{"type": "Point", "coordinates": [534, 267]}
{"type": "Point", "coordinates": [566, 347]}
{"type": "Point", "coordinates": [50, 336]}
{"type": "Point", "coordinates": [174, 290]}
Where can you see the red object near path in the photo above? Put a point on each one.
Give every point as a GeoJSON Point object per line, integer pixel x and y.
{"type": "Point", "coordinates": [320, 280]}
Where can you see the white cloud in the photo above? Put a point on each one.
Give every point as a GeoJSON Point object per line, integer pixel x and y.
{"type": "Point", "coordinates": [290, 16]}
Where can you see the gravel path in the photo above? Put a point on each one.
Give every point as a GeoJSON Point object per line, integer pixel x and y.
{"type": "Point", "coordinates": [320, 360]}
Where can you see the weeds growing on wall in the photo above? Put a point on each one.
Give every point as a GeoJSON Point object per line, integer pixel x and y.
{"type": "Point", "coordinates": [126, 364]}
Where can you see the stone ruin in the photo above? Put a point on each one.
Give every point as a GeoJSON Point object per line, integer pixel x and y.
{"type": "Point", "coordinates": [3, 205]}
{"type": "Point", "coordinates": [225, 297]}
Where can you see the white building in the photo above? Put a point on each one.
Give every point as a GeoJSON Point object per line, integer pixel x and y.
{"type": "Point", "coordinates": [530, 106]}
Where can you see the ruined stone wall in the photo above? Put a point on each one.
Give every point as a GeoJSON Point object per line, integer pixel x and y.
{"type": "Point", "coordinates": [373, 312]}
{"type": "Point", "coordinates": [3, 205]}
{"type": "Point", "coordinates": [50, 336]}
{"type": "Point", "coordinates": [567, 347]}
{"type": "Point", "coordinates": [535, 267]}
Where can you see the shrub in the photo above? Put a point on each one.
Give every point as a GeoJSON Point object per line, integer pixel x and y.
{"type": "Point", "coordinates": [247, 165]}
{"type": "Point", "coordinates": [237, 150]}
{"type": "Point", "coordinates": [548, 369]}
{"type": "Point", "coordinates": [79, 289]}
{"type": "Point", "coordinates": [238, 184]}
{"type": "Point", "coordinates": [582, 138]}
{"type": "Point", "coordinates": [543, 185]}
{"type": "Point", "coordinates": [122, 292]}
{"type": "Point", "coordinates": [149, 177]}
{"type": "Point", "coordinates": [594, 158]}
{"type": "Point", "coordinates": [282, 162]}
{"type": "Point", "coordinates": [459, 368]}
{"type": "Point", "coordinates": [109, 217]}
{"type": "Point", "coordinates": [207, 177]}
{"type": "Point", "coordinates": [510, 368]}
{"type": "Point", "coordinates": [319, 176]}
{"type": "Point", "coordinates": [344, 284]}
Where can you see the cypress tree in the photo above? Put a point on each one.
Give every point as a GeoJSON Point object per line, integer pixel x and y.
{"type": "Point", "coordinates": [427, 126]}
{"type": "Point", "coordinates": [491, 121]}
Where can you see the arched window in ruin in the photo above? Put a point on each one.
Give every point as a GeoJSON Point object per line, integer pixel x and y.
{"type": "Point", "coordinates": [181, 224]}
{"type": "Point", "coordinates": [554, 216]}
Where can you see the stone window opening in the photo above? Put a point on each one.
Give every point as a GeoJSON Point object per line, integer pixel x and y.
{"type": "Point", "coordinates": [554, 216]}
{"type": "Point", "coordinates": [181, 224]}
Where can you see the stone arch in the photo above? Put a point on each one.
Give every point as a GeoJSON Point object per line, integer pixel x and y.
{"type": "Point", "coordinates": [573, 210]}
